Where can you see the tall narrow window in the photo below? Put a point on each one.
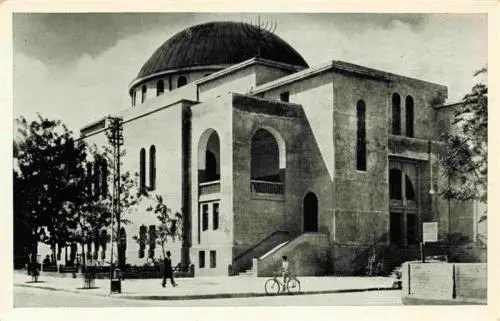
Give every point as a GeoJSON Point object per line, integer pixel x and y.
{"type": "Point", "coordinates": [142, 169]}
{"type": "Point", "coordinates": [143, 92]}
{"type": "Point", "coordinates": [396, 114]}
{"type": "Point", "coordinates": [104, 175]}
{"type": "Point", "coordinates": [152, 167]}
{"type": "Point", "coordinates": [361, 136]}
{"type": "Point", "coordinates": [215, 216]}
{"type": "Point", "coordinates": [395, 181]}
{"type": "Point", "coordinates": [152, 241]}
{"type": "Point", "coordinates": [409, 117]}
{"type": "Point", "coordinates": [142, 240]}
{"type": "Point", "coordinates": [213, 259]}
{"type": "Point", "coordinates": [181, 81]}
{"type": "Point", "coordinates": [204, 218]}
{"type": "Point", "coordinates": [201, 257]}
{"type": "Point", "coordinates": [97, 180]}
{"type": "Point", "coordinates": [89, 179]}
{"type": "Point", "coordinates": [132, 97]}
{"type": "Point", "coordinates": [160, 87]}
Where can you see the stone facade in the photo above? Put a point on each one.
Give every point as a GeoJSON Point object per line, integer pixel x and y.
{"type": "Point", "coordinates": [263, 147]}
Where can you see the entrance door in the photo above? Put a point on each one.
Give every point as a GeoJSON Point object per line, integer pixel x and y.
{"type": "Point", "coordinates": [310, 212]}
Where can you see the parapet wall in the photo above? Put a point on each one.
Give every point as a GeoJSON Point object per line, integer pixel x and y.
{"type": "Point", "coordinates": [450, 283]}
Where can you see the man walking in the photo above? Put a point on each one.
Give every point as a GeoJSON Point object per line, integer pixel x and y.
{"type": "Point", "coordinates": [167, 271]}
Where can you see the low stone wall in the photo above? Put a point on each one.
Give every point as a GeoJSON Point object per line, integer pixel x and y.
{"type": "Point", "coordinates": [444, 282]}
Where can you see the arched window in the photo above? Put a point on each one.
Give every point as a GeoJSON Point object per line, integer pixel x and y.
{"type": "Point", "coordinates": [361, 136]}
{"type": "Point", "coordinates": [144, 91]}
{"type": "Point", "coordinates": [209, 157]}
{"type": "Point", "coordinates": [152, 167]}
{"type": "Point", "coordinates": [132, 97]}
{"type": "Point", "coordinates": [142, 170]}
{"type": "Point", "coordinates": [267, 162]}
{"type": "Point", "coordinates": [160, 87]}
{"type": "Point", "coordinates": [181, 81]}
{"type": "Point", "coordinates": [396, 114]}
{"type": "Point", "coordinates": [409, 117]}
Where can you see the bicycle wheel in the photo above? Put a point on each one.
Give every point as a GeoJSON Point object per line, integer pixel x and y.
{"type": "Point", "coordinates": [293, 286]}
{"type": "Point", "coordinates": [272, 287]}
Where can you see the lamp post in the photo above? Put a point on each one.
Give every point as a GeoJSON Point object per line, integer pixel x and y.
{"type": "Point", "coordinates": [115, 138]}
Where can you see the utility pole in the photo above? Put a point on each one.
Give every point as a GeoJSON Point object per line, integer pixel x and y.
{"type": "Point", "coordinates": [115, 138]}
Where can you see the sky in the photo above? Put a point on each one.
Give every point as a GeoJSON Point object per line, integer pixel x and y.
{"type": "Point", "coordinates": [77, 67]}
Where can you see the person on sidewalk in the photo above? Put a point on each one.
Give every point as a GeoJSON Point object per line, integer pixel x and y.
{"type": "Point", "coordinates": [167, 271]}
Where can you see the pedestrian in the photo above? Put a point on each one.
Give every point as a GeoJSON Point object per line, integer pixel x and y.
{"type": "Point", "coordinates": [46, 261]}
{"type": "Point", "coordinates": [167, 271]}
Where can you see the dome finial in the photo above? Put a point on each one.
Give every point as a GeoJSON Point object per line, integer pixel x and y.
{"type": "Point", "coordinates": [259, 31]}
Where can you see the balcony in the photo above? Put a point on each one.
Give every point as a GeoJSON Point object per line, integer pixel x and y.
{"type": "Point", "coordinates": [207, 188]}
{"type": "Point", "coordinates": [266, 187]}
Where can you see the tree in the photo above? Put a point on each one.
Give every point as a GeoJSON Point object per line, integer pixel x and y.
{"type": "Point", "coordinates": [466, 159]}
{"type": "Point", "coordinates": [170, 224]}
{"type": "Point", "coordinates": [130, 198]}
{"type": "Point", "coordinates": [48, 165]}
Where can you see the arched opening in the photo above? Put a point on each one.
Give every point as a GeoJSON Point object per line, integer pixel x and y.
{"type": "Point", "coordinates": [310, 212]}
{"type": "Point", "coordinates": [181, 81]}
{"type": "Point", "coordinates": [396, 114]}
{"type": "Point", "coordinates": [160, 87]}
{"type": "Point", "coordinates": [361, 136]}
{"type": "Point", "coordinates": [143, 93]}
{"type": "Point", "coordinates": [267, 162]}
{"type": "Point", "coordinates": [152, 167]}
{"type": "Point", "coordinates": [209, 157]}
{"type": "Point", "coordinates": [409, 117]}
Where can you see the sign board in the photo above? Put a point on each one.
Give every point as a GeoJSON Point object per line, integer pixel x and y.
{"type": "Point", "coordinates": [430, 232]}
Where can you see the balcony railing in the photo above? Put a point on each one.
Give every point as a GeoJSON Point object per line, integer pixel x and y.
{"type": "Point", "coordinates": [212, 187]}
{"type": "Point", "coordinates": [267, 187]}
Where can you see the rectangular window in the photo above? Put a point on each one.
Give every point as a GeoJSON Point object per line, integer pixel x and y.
{"type": "Point", "coordinates": [215, 216]}
{"type": "Point", "coordinates": [204, 223]}
{"type": "Point", "coordinates": [213, 259]}
{"type": "Point", "coordinates": [285, 96]}
{"type": "Point", "coordinates": [201, 257]}
{"type": "Point", "coordinates": [361, 137]}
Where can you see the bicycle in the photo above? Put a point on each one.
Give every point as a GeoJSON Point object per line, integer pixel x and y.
{"type": "Point", "coordinates": [274, 286]}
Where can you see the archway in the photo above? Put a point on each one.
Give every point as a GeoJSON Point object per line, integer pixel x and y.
{"type": "Point", "coordinates": [209, 157]}
{"type": "Point", "coordinates": [310, 212]}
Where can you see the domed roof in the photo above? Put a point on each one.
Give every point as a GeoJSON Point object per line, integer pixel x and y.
{"type": "Point", "coordinates": [219, 43]}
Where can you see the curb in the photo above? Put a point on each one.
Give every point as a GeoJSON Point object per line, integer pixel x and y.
{"type": "Point", "coordinates": [420, 301]}
{"type": "Point", "coordinates": [205, 296]}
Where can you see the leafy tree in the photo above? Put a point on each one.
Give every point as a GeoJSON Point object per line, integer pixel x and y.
{"type": "Point", "coordinates": [47, 171]}
{"type": "Point", "coordinates": [466, 159]}
{"type": "Point", "coordinates": [101, 208]}
{"type": "Point", "coordinates": [170, 223]}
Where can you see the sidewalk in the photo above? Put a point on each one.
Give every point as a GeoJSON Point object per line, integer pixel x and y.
{"type": "Point", "coordinates": [204, 287]}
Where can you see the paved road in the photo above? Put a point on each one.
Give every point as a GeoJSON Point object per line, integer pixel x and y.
{"type": "Point", "coordinates": [29, 297]}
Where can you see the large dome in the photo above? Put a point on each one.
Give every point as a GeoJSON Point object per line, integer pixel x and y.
{"type": "Point", "coordinates": [218, 43]}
